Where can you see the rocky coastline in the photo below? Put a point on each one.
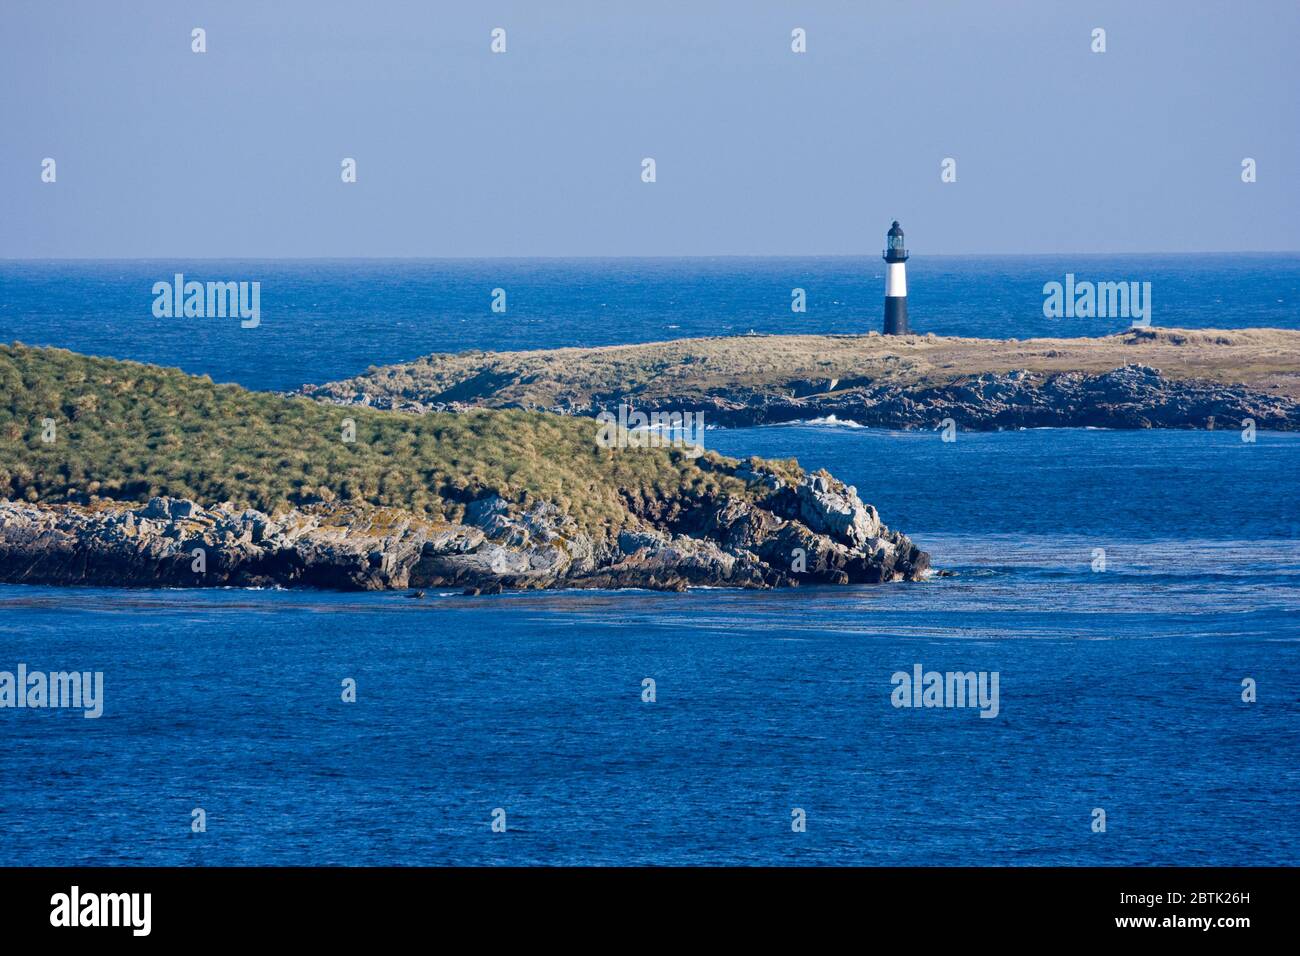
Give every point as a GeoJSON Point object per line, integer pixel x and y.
{"type": "Point", "coordinates": [1132, 397]}
{"type": "Point", "coordinates": [815, 530]}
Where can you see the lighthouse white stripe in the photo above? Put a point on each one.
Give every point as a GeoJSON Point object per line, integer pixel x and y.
{"type": "Point", "coordinates": [896, 280]}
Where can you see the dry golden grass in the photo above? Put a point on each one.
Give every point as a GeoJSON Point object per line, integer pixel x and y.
{"type": "Point", "coordinates": [1267, 359]}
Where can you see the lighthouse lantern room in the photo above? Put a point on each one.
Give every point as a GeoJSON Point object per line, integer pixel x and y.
{"type": "Point", "coordinates": [895, 256]}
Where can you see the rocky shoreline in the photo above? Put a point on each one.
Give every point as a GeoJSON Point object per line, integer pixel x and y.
{"type": "Point", "coordinates": [1132, 397]}
{"type": "Point", "coordinates": [815, 530]}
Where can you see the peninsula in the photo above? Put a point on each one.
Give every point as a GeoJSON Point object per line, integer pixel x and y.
{"type": "Point", "coordinates": [1140, 378]}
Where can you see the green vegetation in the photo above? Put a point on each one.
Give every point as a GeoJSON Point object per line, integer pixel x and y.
{"type": "Point", "coordinates": [128, 431]}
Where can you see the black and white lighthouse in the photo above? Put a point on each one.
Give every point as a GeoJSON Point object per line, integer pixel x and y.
{"type": "Point", "coordinates": [895, 256]}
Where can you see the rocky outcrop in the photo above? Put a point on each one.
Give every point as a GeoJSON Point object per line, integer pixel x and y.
{"type": "Point", "coordinates": [1135, 396]}
{"type": "Point", "coordinates": [814, 530]}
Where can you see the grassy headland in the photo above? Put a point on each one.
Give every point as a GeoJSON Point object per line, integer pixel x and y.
{"type": "Point", "coordinates": [126, 431]}
{"type": "Point", "coordinates": [115, 473]}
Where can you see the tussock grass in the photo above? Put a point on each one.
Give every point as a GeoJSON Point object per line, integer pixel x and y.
{"type": "Point", "coordinates": [128, 431]}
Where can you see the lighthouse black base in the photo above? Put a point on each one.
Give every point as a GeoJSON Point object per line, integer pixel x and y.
{"type": "Point", "coordinates": [896, 315]}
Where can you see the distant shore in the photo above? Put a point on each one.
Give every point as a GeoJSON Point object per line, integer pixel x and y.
{"type": "Point", "coordinates": [1140, 378]}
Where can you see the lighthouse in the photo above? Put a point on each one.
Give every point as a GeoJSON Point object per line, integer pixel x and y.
{"type": "Point", "coordinates": [895, 256]}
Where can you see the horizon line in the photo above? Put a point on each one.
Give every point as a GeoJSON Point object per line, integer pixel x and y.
{"type": "Point", "coordinates": [633, 257]}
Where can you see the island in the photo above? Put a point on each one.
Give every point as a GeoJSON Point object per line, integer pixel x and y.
{"type": "Point", "coordinates": [115, 473]}
{"type": "Point", "coordinates": [1140, 378]}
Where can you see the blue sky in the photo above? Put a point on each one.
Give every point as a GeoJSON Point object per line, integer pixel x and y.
{"type": "Point", "coordinates": [537, 152]}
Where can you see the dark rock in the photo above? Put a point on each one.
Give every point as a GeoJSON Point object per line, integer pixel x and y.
{"type": "Point", "coordinates": [816, 530]}
{"type": "Point", "coordinates": [1134, 396]}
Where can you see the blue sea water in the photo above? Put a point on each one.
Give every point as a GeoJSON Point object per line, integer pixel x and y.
{"type": "Point", "coordinates": [1120, 689]}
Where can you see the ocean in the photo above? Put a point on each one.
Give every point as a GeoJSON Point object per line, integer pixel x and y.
{"type": "Point", "coordinates": [1123, 585]}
